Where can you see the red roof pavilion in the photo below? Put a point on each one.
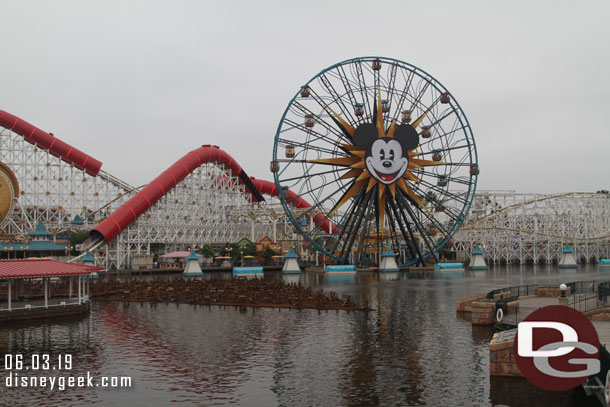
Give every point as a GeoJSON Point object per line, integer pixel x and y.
{"type": "Point", "coordinates": [33, 268]}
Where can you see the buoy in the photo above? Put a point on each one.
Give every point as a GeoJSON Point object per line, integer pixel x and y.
{"type": "Point", "coordinates": [499, 315]}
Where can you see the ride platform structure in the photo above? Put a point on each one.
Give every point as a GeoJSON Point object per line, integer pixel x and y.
{"type": "Point", "coordinates": [340, 269]}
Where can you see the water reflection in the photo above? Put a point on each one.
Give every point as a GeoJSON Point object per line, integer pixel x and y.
{"type": "Point", "coordinates": [291, 278]}
{"type": "Point", "coordinates": [410, 349]}
{"type": "Point", "coordinates": [516, 391]}
{"type": "Point", "coordinates": [388, 276]}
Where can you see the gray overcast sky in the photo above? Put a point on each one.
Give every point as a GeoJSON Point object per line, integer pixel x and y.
{"type": "Point", "coordinates": [138, 84]}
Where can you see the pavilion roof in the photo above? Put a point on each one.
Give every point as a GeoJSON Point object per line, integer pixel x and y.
{"type": "Point", "coordinates": [32, 268]}
{"type": "Point", "coordinates": [41, 230]}
{"type": "Point", "coordinates": [175, 255]}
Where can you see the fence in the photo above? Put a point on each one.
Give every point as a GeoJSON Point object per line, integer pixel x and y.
{"type": "Point", "coordinates": [585, 296]}
{"type": "Point", "coordinates": [516, 291]}
{"type": "Point", "coordinates": [512, 319]}
{"type": "Point", "coordinates": [34, 304]}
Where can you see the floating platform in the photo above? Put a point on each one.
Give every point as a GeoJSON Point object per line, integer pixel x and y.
{"type": "Point", "coordinates": [448, 270]}
{"type": "Point", "coordinates": [36, 309]}
{"type": "Point", "coordinates": [247, 271]}
{"type": "Point", "coordinates": [340, 270]}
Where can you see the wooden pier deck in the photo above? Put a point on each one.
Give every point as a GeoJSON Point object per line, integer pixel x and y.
{"type": "Point", "coordinates": [603, 331]}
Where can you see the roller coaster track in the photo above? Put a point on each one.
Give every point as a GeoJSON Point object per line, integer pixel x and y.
{"type": "Point", "coordinates": [481, 223]}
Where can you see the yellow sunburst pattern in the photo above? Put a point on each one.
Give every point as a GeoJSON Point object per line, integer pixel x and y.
{"type": "Point", "coordinates": [363, 179]}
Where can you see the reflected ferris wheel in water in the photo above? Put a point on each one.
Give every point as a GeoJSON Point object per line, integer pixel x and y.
{"type": "Point", "coordinates": [384, 157]}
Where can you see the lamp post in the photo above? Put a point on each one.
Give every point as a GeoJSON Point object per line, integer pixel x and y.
{"type": "Point", "coordinates": [228, 249]}
{"type": "Point", "coordinates": [563, 300]}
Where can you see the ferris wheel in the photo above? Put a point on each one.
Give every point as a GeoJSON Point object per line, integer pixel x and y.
{"type": "Point", "coordinates": [374, 154]}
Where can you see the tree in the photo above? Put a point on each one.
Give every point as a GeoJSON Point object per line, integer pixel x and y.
{"type": "Point", "coordinates": [230, 249]}
{"type": "Point", "coordinates": [267, 253]}
{"type": "Point", "coordinates": [248, 249]}
{"type": "Point", "coordinates": [236, 251]}
{"type": "Point", "coordinates": [206, 251]}
{"type": "Point", "coordinates": [603, 191]}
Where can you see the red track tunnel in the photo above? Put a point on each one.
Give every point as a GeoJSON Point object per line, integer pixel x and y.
{"type": "Point", "coordinates": [47, 141]}
{"type": "Point", "coordinates": [117, 221]}
{"type": "Point", "coordinates": [114, 224]}
{"type": "Point", "coordinates": [293, 199]}
{"type": "Point", "coordinates": [120, 219]}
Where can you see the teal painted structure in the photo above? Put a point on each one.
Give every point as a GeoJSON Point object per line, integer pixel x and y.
{"type": "Point", "coordinates": [193, 256]}
{"type": "Point", "coordinates": [340, 269]}
{"type": "Point", "coordinates": [388, 253]}
{"type": "Point", "coordinates": [388, 261]}
{"type": "Point", "coordinates": [41, 230]}
{"type": "Point", "coordinates": [291, 264]}
{"type": "Point", "coordinates": [247, 271]}
{"type": "Point", "coordinates": [478, 250]}
{"type": "Point", "coordinates": [604, 262]}
{"type": "Point", "coordinates": [448, 270]}
{"type": "Point", "coordinates": [89, 260]}
{"type": "Point", "coordinates": [567, 258]}
{"type": "Point", "coordinates": [192, 268]}
{"type": "Point", "coordinates": [291, 255]}
{"type": "Point", "coordinates": [477, 261]}
{"type": "Point", "coordinates": [448, 266]}
{"type": "Point", "coordinates": [41, 244]}
{"type": "Point", "coordinates": [36, 246]}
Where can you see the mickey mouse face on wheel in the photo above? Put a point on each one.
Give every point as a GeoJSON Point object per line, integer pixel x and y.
{"type": "Point", "coordinates": [386, 162]}
{"type": "Point", "coordinates": [387, 158]}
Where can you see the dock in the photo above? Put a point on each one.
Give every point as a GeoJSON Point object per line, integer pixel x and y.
{"type": "Point", "coordinates": [505, 308]}
{"type": "Point", "coordinates": [603, 331]}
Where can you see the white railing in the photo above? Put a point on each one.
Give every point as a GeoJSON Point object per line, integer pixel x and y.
{"type": "Point", "coordinates": [37, 304]}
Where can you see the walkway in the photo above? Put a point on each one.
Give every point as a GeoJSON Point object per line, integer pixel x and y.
{"type": "Point", "coordinates": [603, 331]}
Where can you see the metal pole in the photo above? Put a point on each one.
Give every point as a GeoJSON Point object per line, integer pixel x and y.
{"type": "Point", "coordinates": [70, 293]}
{"type": "Point", "coordinates": [9, 295]}
{"type": "Point", "coordinates": [79, 289]}
{"type": "Point", "coordinates": [46, 299]}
